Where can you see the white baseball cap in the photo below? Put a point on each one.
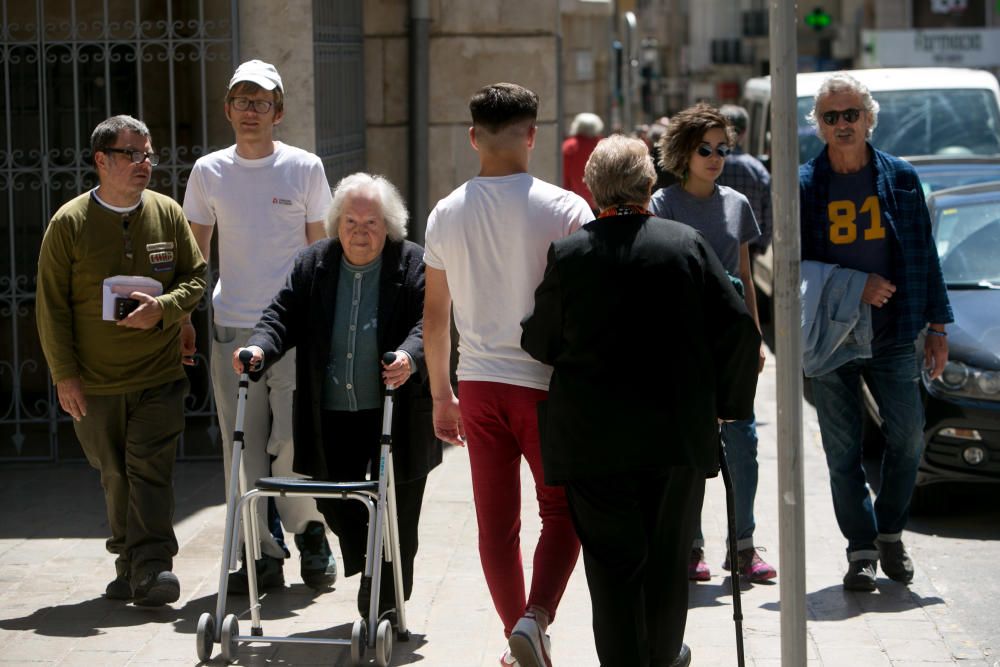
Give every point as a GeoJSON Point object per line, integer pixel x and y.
{"type": "Point", "coordinates": [259, 72]}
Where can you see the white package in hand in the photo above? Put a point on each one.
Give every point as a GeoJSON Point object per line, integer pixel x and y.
{"type": "Point", "coordinates": [120, 287]}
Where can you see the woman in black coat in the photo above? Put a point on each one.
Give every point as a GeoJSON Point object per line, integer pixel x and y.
{"type": "Point", "coordinates": [348, 300]}
{"type": "Point", "coordinates": [650, 346]}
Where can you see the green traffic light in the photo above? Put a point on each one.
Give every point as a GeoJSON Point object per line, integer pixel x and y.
{"type": "Point", "coordinates": [818, 19]}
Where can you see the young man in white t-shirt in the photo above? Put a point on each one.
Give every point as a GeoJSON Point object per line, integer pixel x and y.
{"type": "Point", "coordinates": [269, 201]}
{"type": "Point", "coordinates": [486, 245]}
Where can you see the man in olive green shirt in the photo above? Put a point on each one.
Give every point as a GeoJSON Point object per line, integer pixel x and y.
{"type": "Point", "coordinates": [122, 379]}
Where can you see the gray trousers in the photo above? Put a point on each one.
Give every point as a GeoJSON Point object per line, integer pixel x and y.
{"type": "Point", "coordinates": [267, 430]}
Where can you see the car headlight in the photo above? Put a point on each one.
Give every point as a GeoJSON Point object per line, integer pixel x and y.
{"type": "Point", "coordinates": [989, 382]}
{"type": "Point", "coordinates": [964, 381]}
{"type": "Point", "coordinates": [955, 375]}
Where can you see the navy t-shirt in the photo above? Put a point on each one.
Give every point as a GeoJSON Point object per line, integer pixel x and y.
{"type": "Point", "coordinates": [858, 238]}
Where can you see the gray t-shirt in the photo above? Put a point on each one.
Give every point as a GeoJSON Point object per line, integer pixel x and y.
{"type": "Point", "coordinates": [724, 218]}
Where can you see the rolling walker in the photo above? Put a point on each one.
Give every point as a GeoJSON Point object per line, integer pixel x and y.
{"type": "Point", "coordinates": [379, 497]}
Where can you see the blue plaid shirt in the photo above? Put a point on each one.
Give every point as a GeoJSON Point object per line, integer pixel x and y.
{"type": "Point", "coordinates": [921, 294]}
{"type": "Point", "coordinates": [745, 174]}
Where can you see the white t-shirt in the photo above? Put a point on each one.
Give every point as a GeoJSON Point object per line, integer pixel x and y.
{"type": "Point", "coordinates": [491, 236]}
{"type": "Point", "coordinates": [261, 207]}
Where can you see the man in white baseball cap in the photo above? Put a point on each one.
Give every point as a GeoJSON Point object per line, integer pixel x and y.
{"type": "Point", "coordinates": [269, 201]}
{"type": "Point", "coordinates": [259, 72]}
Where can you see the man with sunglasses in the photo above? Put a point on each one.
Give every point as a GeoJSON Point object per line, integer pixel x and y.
{"type": "Point", "coordinates": [120, 376]}
{"type": "Point", "coordinates": [268, 200]}
{"type": "Point", "coordinates": [863, 209]}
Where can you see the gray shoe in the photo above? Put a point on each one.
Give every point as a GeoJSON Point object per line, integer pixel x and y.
{"type": "Point", "coordinates": [860, 576]}
{"type": "Point", "coordinates": [318, 567]}
{"type": "Point", "coordinates": [895, 561]}
{"type": "Point", "coordinates": [270, 575]}
{"type": "Point", "coordinates": [156, 589]}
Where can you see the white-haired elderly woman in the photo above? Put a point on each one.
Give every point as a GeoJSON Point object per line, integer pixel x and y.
{"type": "Point", "coordinates": [348, 300]}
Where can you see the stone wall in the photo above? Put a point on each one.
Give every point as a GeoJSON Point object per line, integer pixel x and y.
{"type": "Point", "coordinates": [472, 44]}
{"type": "Point", "coordinates": [281, 33]}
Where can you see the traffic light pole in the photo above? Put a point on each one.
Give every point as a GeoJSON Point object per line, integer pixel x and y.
{"type": "Point", "coordinates": [787, 325]}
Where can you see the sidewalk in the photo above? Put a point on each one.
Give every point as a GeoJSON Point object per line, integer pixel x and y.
{"type": "Point", "coordinates": [53, 569]}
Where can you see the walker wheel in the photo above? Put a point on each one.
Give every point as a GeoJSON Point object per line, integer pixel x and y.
{"type": "Point", "coordinates": [205, 636]}
{"type": "Point", "coordinates": [228, 639]}
{"type": "Point", "coordinates": [359, 641]}
{"type": "Point", "coordinates": [383, 643]}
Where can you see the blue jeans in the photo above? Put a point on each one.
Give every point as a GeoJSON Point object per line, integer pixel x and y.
{"type": "Point", "coordinates": [740, 438]}
{"type": "Point", "coordinates": [893, 376]}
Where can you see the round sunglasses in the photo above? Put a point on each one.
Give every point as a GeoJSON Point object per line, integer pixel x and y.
{"type": "Point", "coordinates": [850, 115]}
{"type": "Point", "coordinates": [722, 150]}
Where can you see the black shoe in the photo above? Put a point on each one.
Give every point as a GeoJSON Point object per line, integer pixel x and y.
{"type": "Point", "coordinates": [156, 589]}
{"type": "Point", "coordinates": [387, 601]}
{"type": "Point", "coordinates": [860, 576]}
{"type": "Point", "coordinates": [318, 567]}
{"type": "Point", "coordinates": [895, 561]}
{"type": "Point", "coordinates": [119, 589]}
{"type": "Point", "coordinates": [270, 575]}
{"type": "Point", "coordinates": [683, 658]}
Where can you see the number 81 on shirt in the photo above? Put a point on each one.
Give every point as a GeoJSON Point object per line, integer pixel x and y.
{"type": "Point", "coordinates": [843, 216]}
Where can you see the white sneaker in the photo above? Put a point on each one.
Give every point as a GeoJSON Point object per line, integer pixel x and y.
{"type": "Point", "coordinates": [507, 660]}
{"type": "Point", "coordinates": [529, 645]}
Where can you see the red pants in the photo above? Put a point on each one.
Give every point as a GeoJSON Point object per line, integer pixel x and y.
{"type": "Point", "coordinates": [501, 425]}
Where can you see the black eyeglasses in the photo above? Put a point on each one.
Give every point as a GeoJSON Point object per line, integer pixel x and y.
{"type": "Point", "coordinates": [244, 103]}
{"type": "Point", "coordinates": [137, 157]}
{"type": "Point", "coordinates": [722, 150]}
{"type": "Point", "coordinates": [850, 115]}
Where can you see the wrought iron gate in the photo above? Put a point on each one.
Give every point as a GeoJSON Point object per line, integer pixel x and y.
{"type": "Point", "coordinates": [66, 66]}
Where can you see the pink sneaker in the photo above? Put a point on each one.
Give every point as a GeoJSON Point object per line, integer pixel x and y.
{"type": "Point", "coordinates": [752, 566]}
{"type": "Point", "coordinates": [697, 567]}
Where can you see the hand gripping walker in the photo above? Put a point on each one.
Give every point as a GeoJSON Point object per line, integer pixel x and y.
{"type": "Point", "coordinates": [379, 497]}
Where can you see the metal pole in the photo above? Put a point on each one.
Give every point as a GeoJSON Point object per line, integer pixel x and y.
{"type": "Point", "coordinates": [420, 21]}
{"type": "Point", "coordinates": [787, 318]}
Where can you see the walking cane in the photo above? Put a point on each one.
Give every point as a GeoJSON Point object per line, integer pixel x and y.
{"type": "Point", "coordinates": [727, 481]}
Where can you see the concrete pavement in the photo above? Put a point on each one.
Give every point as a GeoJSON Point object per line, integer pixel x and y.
{"type": "Point", "coordinates": [53, 569]}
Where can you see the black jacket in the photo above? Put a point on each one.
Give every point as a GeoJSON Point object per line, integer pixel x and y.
{"type": "Point", "coordinates": [650, 343]}
{"type": "Point", "coordinates": [301, 316]}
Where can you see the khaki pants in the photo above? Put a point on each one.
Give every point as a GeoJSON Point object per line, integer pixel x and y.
{"type": "Point", "coordinates": [131, 439]}
{"type": "Point", "coordinates": [267, 431]}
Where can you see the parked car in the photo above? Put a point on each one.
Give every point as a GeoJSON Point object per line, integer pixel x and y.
{"type": "Point", "coordinates": [938, 172]}
{"type": "Point", "coordinates": [962, 431]}
{"type": "Point", "coordinates": [923, 111]}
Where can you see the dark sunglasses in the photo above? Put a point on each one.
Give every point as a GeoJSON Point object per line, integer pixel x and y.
{"type": "Point", "coordinates": [722, 150]}
{"type": "Point", "coordinates": [850, 115]}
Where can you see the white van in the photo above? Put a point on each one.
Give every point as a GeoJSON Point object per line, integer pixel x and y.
{"type": "Point", "coordinates": [923, 111]}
